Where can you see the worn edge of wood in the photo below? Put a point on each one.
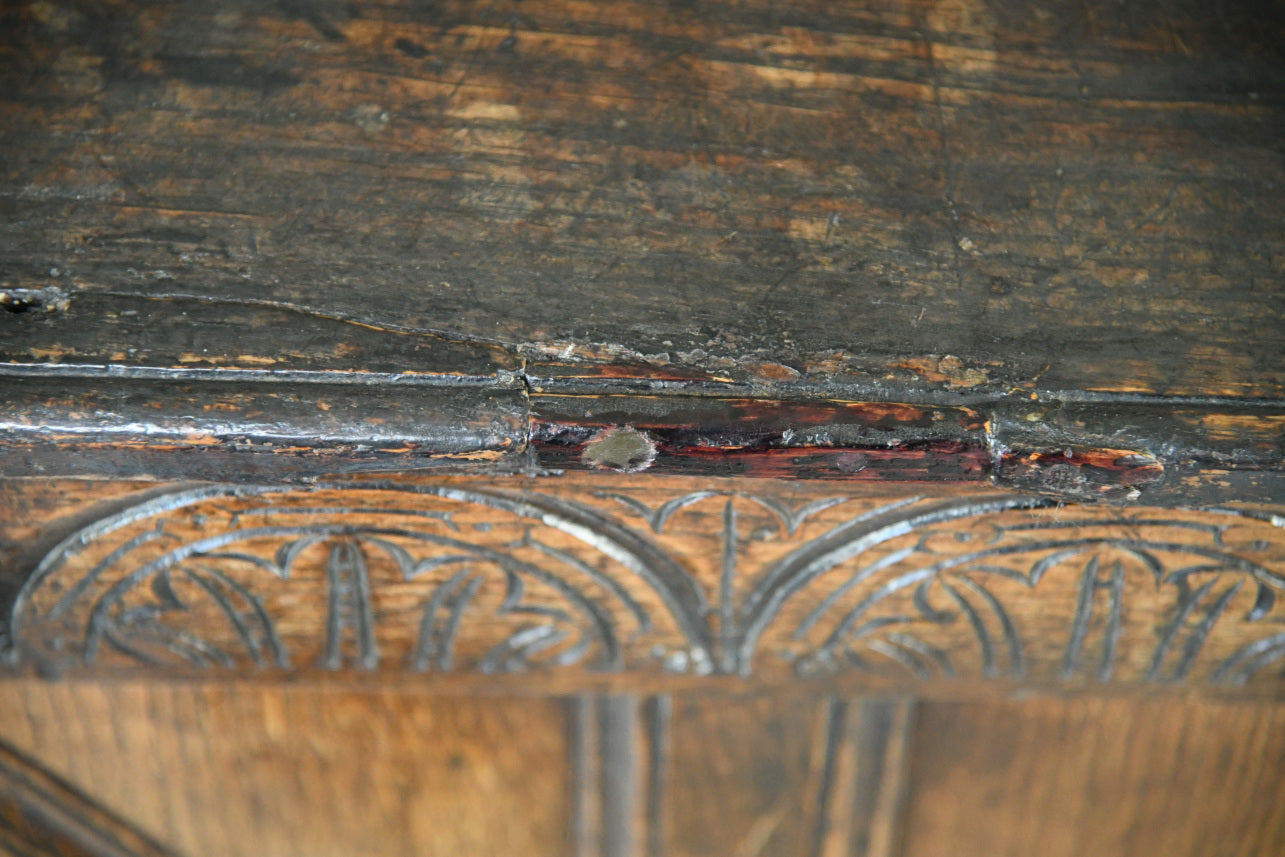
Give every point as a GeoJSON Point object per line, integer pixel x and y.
{"type": "Point", "coordinates": [249, 425]}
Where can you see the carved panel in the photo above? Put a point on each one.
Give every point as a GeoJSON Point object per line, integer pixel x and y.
{"type": "Point", "coordinates": [657, 576]}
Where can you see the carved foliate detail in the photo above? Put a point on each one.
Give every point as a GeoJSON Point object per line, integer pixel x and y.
{"type": "Point", "coordinates": [453, 576]}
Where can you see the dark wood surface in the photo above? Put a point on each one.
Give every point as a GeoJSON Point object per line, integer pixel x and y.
{"type": "Point", "coordinates": [396, 235]}
{"type": "Point", "coordinates": [1083, 196]}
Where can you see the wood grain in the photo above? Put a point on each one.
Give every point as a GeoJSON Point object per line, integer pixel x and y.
{"type": "Point", "coordinates": [276, 771]}
{"type": "Point", "coordinates": [43, 816]}
{"type": "Point", "coordinates": [331, 771]}
{"type": "Point", "coordinates": [251, 769]}
{"type": "Point", "coordinates": [648, 582]}
{"type": "Point", "coordinates": [758, 767]}
{"type": "Point", "coordinates": [953, 194]}
{"type": "Point", "coordinates": [1066, 778]}
{"type": "Point", "coordinates": [991, 292]}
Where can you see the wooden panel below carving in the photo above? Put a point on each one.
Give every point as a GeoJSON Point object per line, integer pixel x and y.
{"type": "Point", "coordinates": [1093, 776]}
{"type": "Point", "coordinates": [251, 769]}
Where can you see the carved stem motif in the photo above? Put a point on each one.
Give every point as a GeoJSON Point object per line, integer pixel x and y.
{"type": "Point", "coordinates": [448, 577]}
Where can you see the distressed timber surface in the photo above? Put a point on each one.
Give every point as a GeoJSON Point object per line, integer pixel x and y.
{"type": "Point", "coordinates": [900, 293]}
{"type": "Point", "coordinates": [442, 223]}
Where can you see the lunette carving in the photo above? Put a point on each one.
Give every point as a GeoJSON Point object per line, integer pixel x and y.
{"type": "Point", "coordinates": [452, 576]}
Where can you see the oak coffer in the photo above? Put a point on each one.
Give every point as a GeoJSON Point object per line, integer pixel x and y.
{"type": "Point", "coordinates": [642, 428]}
